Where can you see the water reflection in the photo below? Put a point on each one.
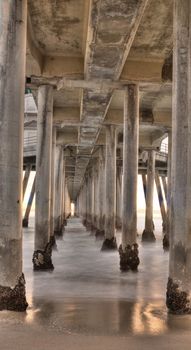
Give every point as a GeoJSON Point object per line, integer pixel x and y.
{"type": "Point", "coordinates": [149, 319]}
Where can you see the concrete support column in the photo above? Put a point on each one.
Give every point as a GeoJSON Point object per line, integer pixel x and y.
{"type": "Point", "coordinates": [110, 189]}
{"type": "Point", "coordinates": [119, 198]}
{"type": "Point", "coordinates": [161, 201]}
{"type": "Point", "coordinates": [166, 235]}
{"type": "Point", "coordinates": [148, 233]}
{"type": "Point", "coordinates": [67, 202]}
{"type": "Point", "coordinates": [29, 205]}
{"type": "Point", "coordinates": [128, 250]}
{"type": "Point", "coordinates": [89, 201]}
{"type": "Point", "coordinates": [92, 198]}
{"type": "Point", "coordinates": [179, 283]}
{"type": "Point", "coordinates": [26, 178]}
{"type": "Point", "coordinates": [96, 196]}
{"type": "Point", "coordinates": [84, 203]}
{"type": "Point", "coordinates": [52, 202]}
{"type": "Point", "coordinates": [42, 254]}
{"type": "Point", "coordinates": [100, 190]}
{"type": "Point", "coordinates": [13, 17]}
{"type": "Point", "coordinates": [144, 180]}
{"type": "Point", "coordinates": [63, 222]}
{"type": "Point", "coordinates": [58, 190]}
{"type": "Point", "coordinates": [84, 218]}
{"type": "Point", "coordinates": [163, 178]}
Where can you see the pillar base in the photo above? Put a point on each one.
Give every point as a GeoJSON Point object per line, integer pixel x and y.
{"type": "Point", "coordinates": [42, 260]}
{"type": "Point", "coordinates": [84, 222]}
{"type": "Point", "coordinates": [163, 227]}
{"type": "Point", "coordinates": [109, 244]}
{"type": "Point", "coordinates": [14, 299]}
{"type": "Point", "coordinates": [177, 300]}
{"type": "Point", "coordinates": [58, 233]}
{"type": "Point", "coordinates": [53, 242]}
{"type": "Point", "coordinates": [118, 226]}
{"type": "Point", "coordinates": [25, 223]}
{"type": "Point", "coordinates": [148, 236]}
{"type": "Point", "coordinates": [64, 222]}
{"type": "Point", "coordinates": [93, 228]}
{"type": "Point", "coordinates": [165, 242]}
{"type": "Point", "coordinates": [99, 234]}
{"type": "Point", "coordinates": [88, 226]}
{"type": "Point", "coordinates": [129, 259]}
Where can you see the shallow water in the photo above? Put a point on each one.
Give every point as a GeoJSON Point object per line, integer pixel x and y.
{"type": "Point", "coordinates": [87, 294]}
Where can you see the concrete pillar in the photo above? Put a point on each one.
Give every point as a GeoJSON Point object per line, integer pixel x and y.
{"type": "Point", "coordinates": [58, 190]}
{"type": "Point", "coordinates": [161, 201]}
{"type": "Point", "coordinates": [26, 177]}
{"type": "Point", "coordinates": [84, 203]}
{"type": "Point", "coordinates": [13, 17]}
{"type": "Point", "coordinates": [179, 283]}
{"type": "Point", "coordinates": [166, 235]}
{"type": "Point", "coordinates": [84, 219]}
{"type": "Point", "coordinates": [144, 179]}
{"type": "Point", "coordinates": [52, 197]}
{"type": "Point", "coordinates": [29, 205]}
{"type": "Point", "coordinates": [119, 197]}
{"type": "Point", "coordinates": [110, 189]}
{"type": "Point", "coordinates": [64, 221]}
{"type": "Point", "coordinates": [96, 196]}
{"type": "Point", "coordinates": [163, 178]}
{"type": "Point", "coordinates": [42, 254]}
{"type": "Point", "coordinates": [63, 194]}
{"type": "Point", "coordinates": [67, 202]}
{"type": "Point", "coordinates": [148, 233]}
{"type": "Point", "coordinates": [100, 232]}
{"type": "Point", "coordinates": [128, 250]}
{"type": "Point", "coordinates": [93, 198]}
{"type": "Point", "coordinates": [89, 201]}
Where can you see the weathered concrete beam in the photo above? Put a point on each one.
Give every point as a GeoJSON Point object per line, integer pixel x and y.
{"type": "Point", "coordinates": [34, 50]}
{"type": "Point", "coordinates": [70, 116]}
{"type": "Point", "coordinates": [107, 49]}
{"type": "Point", "coordinates": [133, 73]}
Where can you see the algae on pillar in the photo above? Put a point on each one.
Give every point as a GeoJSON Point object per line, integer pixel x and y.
{"type": "Point", "coordinates": [128, 250]}
{"type": "Point", "coordinates": [110, 189]}
{"type": "Point", "coordinates": [42, 254]}
{"type": "Point", "coordinates": [148, 233]}
{"type": "Point", "coordinates": [178, 297]}
{"type": "Point", "coordinates": [13, 18]}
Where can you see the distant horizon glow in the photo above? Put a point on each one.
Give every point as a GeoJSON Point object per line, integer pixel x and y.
{"type": "Point", "coordinates": [140, 195]}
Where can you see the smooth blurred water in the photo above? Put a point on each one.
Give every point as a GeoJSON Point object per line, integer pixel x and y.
{"type": "Point", "coordinates": [87, 293]}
